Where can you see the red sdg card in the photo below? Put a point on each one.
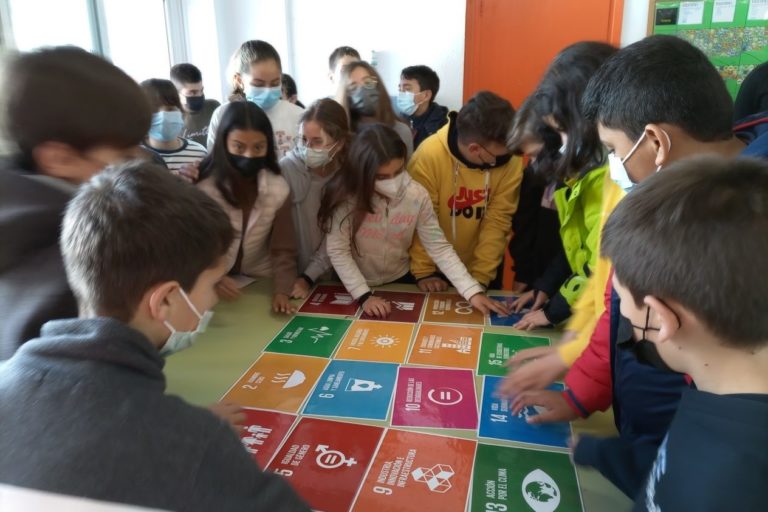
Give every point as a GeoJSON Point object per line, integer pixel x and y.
{"type": "Point", "coordinates": [262, 431]}
{"type": "Point", "coordinates": [406, 306]}
{"type": "Point", "coordinates": [330, 300]}
{"type": "Point", "coordinates": [325, 461]}
{"type": "Point", "coordinates": [419, 473]}
{"type": "Point", "coordinates": [435, 397]}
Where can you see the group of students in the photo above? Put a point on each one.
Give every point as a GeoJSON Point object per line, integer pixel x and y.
{"type": "Point", "coordinates": [259, 186]}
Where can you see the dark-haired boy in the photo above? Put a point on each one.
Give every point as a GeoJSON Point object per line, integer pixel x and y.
{"type": "Point", "coordinates": [339, 58]}
{"type": "Point", "coordinates": [58, 140]}
{"type": "Point", "coordinates": [416, 100]}
{"type": "Point", "coordinates": [82, 408]}
{"type": "Point", "coordinates": [655, 102]}
{"type": "Point", "coordinates": [474, 184]}
{"type": "Point", "coordinates": [711, 215]}
{"type": "Point", "coordinates": [189, 82]}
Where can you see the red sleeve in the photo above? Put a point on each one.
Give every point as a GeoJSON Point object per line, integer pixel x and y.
{"type": "Point", "coordinates": [588, 382]}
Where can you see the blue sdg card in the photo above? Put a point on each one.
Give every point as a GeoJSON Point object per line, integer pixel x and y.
{"type": "Point", "coordinates": [354, 389]}
{"type": "Point", "coordinates": [508, 320]}
{"type": "Point", "coordinates": [497, 421]}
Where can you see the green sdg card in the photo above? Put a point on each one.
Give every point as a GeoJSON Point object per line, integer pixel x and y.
{"type": "Point", "coordinates": [310, 336]}
{"type": "Point", "coordinates": [496, 349]}
{"type": "Point", "coordinates": [509, 479]}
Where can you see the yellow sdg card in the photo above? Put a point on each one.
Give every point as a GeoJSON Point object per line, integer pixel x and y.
{"type": "Point", "coordinates": [368, 340]}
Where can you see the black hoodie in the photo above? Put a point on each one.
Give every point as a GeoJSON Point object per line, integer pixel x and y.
{"type": "Point", "coordinates": [714, 457]}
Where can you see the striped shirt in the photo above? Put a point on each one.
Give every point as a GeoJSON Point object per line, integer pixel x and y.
{"type": "Point", "coordinates": [190, 152]}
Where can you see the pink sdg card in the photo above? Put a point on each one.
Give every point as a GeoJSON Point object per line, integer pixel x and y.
{"type": "Point", "coordinates": [435, 397]}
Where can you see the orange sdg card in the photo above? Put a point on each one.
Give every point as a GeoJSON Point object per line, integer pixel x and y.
{"type": "Point", "coordinates": [418, 472]}
{"type": "Point", "coordinates": [451, 308]}
{"type": "Point", "coordinates": [278, 382]}
{"type": "Point", "coordinates": [446, 345]}
{"type": "Point", "coordinates": [369, 340]}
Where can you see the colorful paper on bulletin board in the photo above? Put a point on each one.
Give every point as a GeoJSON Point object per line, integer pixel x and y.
{"type": "Point", "coordinates": [694, 15]}
{"type": "Point", "coordinates": [728, 67]}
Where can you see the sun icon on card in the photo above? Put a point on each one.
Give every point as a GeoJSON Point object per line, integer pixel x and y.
{"type": "Point", "coordinates": [385, 340]}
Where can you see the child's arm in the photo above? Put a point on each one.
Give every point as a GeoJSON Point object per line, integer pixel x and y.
{"type": "Point", "coordinates": [339, 247]}
{"type": "Point", "coordinates": [213, 126]}
{"type": "Point", "coordinates": [282, 247]}
{"type": "Point", "coordinates": [442, 253]}
{"type": "Point", "coordinates": [318, 265]}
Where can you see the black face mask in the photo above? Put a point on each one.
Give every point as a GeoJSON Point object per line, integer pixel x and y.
{"type": "Point", "coordinates": [195, 103]}
{"type": "Point", "coordinates": [364, 101]}
{"type": "Point", "coordinates": [499, 161]}
{"type": "Point", "coordinates": [248, 167]}
{"type": "Point", "coordinates": [645, 351]}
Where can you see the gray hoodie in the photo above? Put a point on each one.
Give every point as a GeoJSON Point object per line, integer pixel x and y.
{"type": "Point", "coordinates": [306, 191]}
{"type": "Point", "coordinates": [83, 412]}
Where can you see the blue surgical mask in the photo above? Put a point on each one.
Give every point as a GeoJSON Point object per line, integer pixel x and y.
{"type": "Point", "coordinates": [264, 97]}
{"type": "Point", "coordinates": [166, 126]}
{"type": "Point", "coordinates": [179, 340]}
{"type": "Point", "coordinates": [406, 102]}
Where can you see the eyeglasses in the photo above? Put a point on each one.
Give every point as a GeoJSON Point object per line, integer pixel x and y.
{"type": "Point", "coordinates": [368, 83]}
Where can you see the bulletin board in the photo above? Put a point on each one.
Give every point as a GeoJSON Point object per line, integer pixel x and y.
{"type": "Point", "coordinates": [732, 33]}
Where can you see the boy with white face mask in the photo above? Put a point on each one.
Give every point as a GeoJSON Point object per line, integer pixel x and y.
{"type": "Point", "coordinates": [320, 151]}
{"type": "Point", "coordinates": [143, 253]}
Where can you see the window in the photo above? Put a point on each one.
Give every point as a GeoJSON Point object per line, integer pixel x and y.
{"type": "Point", "coordinates": [132, 34]}
{"type": "Point", "coordinates": [50, 23]}
{"type": "Point", "coordinates": [136, 37]}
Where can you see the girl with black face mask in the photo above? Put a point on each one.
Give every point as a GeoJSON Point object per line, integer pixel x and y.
{"type": "Point", "coordinates": [241, 173]}
{"type": "Point", "coordinates": [364, 96]}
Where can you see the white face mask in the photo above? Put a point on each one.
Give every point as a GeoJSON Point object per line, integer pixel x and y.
{"type": "Point", "coordinates": [179, 340]}
{"type": "Point", "coordinates": [619, 172]}
{"type": "Point", "coordinates": [390, 188]}
{"type": "Point", "coordinates": [314, 158]}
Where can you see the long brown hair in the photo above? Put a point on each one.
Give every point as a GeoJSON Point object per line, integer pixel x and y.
{"type": "Point", "coordinates": [385, 114]}
{"type": "Point", "coordinates": [332, 118]}
{"type": "Point", "coordinates": [375, 146]}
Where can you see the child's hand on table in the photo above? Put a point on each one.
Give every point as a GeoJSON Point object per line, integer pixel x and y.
{"type": "Point", "coordinates": [536, 296]}
{"type": "Point", "coordinates": [485, 305]}
{"type": "Point", "coordinates": [432, 284]}
{"type": "Point", "coordinates": [553, 402]}
{"type": "Point", "coordinates": [532, 320]}
{"type": "Point", "coordinates": [227, 289]}
{"type": "Point", "coordinates": [300, 289]}
{"type": "Point", "coordinates": [532, 368]}
{"type": "Point", "coordinates": [378, 307]}
{"type": "Point", "coordinates": [229, 412]}
{"type": "Point", "coordinates": [281, 303]}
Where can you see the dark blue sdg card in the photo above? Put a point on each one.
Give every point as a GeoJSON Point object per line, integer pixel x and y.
{"type": "Point", "coordinates": [497, 421]}
{"type": "Point", "coordinates": [354, 389]}
{"type": "Point", "coordinates": [507, 320]}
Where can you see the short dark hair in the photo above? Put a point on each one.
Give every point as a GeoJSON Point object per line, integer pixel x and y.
{"type": "Point", "coordinates": [425, 76]}
{"type": "Point", "coordinates": [134, 226]}
{"type": "Point", "coordinates": [90, 95]}
{"type": "Point", "coordinates": [237, 115]}
{"type": "Point", "coordinates": [695, 233]}
{"type": "Point", "coordinates": [660, 79]}
{"type": "Point", "coordinates": [186, 73]}
{"type": "Point", "coordinates": [559, 95]}
{"type": "Point", "coordinates": [161, 93]}
{"type": "Point", "coordinates": [339, 53]}
{"type": "Point", "coordinates": [486, 117]}
{"type": "Point", "coordinates": [528, 125]}
{"type": "Point", "coordinates": [289, 85]}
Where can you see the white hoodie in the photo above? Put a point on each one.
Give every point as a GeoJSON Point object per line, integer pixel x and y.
{"type": "Point", "coordinates": [384, 239]}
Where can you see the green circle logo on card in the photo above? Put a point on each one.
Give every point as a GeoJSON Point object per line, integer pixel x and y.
{"type": "Point", "coordinates": [540, 491]}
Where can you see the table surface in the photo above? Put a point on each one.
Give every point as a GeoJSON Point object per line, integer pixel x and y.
{"type": "Point", "coordinates": [240, 330]}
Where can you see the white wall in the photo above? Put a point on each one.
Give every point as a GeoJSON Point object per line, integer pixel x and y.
{"type": "Point", "coordinates": [635, 23]}
{"type": "Point", "coordinates": [305, 32]}
{"type": "Point", "coordinates": [401, 32]}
